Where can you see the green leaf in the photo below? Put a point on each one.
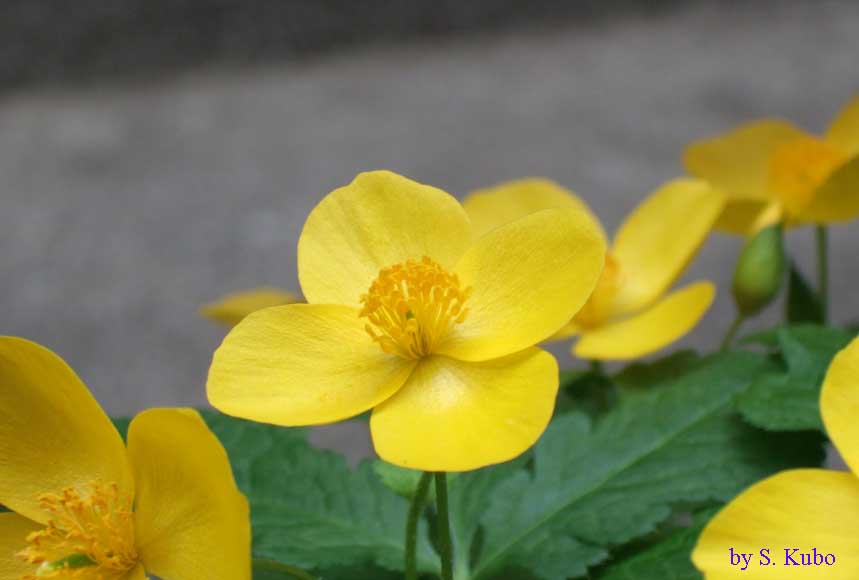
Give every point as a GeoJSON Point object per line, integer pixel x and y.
{"type": "Point", "coordinates": [788, 399]}
{"type": "Point", "coordinates": [590, 391]}
{"type": "Point", "coordinates": [669, 559]}
{"type": "Point", "coordinates": [596, 485]}
{"type": "Point", "coordinates": [309, 509]}
{"type": "Point", "coordinates": [272, 570]}
{"type": "Point", "coordinates": [803, 303]}
{"type": "Point", "coordinates": [640, 375]}
{"type": "Point", "coordinates": [468, 499]}
{"type": "Point", "coordinates": [403, 481]}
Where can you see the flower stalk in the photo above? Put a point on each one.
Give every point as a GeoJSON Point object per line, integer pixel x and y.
{"type": "Point", "coordinates": [415, 509]}
{"type": "Point", "coordinates": [444, 543]}
{"type": "Point", "coordinates": [732, 332]}
{"type": "Point", "coordinates": [822, 239]}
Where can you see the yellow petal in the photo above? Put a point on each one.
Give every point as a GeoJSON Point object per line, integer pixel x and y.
{"type": "Point", "coordinates": [837, 200]}
{"type": "Point", "coordinates": [528, 279]}
{"type": "Point", "coordinates": [378, 220]}
{"type": "Point", "coordinates": [302, 364]}
{"type": "Point", "coordinates": [495, 206]}
{"type": "Point", "coordinates": [659, 239]}
{"type": "Point", "coordinates": [844, 130]}
{"type": "Point", "coordinates": [804, 509]}
{"type": "Point", "coordinates": [53, 434]}
{"type": "Point", "coordinates": [191, 521]}
{"type": "Point", "coordinates": [738, 161]}
{"type": "Point", "coordinates": [839, 404]}
{"type": "Point", "coordinates": [232, 308]}
{"type": "Point", "coordinates": [666, 321]}
{"type": "Point", "coordinates": [745, 217]}
{"type": "Point", "coordinates": [457, 416]}
{"type": "Point", "coordinates": [14, 530]}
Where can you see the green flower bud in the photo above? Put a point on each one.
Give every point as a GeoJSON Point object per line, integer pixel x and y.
{"type": "Point", "coordinates": [760, 271]}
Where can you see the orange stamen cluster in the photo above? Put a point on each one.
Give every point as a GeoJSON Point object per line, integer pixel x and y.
{"type": "Point", "coordinates": [90, 533]}
{"type": "Point", "coordinates": [799, 167]}
{"type": "Point", "coordinates": [411, 306]}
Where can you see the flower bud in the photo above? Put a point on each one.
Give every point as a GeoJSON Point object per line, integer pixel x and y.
{"type": "Point", "coordinates": [760, 271]}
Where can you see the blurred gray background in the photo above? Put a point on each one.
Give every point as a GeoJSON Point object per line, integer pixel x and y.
{"type": "Point", "coordinates": [151, 161]}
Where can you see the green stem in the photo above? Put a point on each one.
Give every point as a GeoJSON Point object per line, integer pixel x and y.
{"type": "Point", "coordinates": [292, 571]}
{"type": "Point", "coordinates": [596, 367]}
{"type": "Point", "coordinates": [732, 331]}
{"type": "Point", "coordinates": [822, 236]}
{"type": "Point", "coordinates": [444, 544]}
{"type": "Point", "coordinates": [415, 509]}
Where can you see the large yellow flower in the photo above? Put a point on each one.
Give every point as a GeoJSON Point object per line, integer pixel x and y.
{"type": "Point", "coordinates": [798, 513]}
{"type": "Point", "coordinates": [412, 316]}
{"type": "Point", "coordinates": [85, 507]}
{"type": "Point", "coordinates": [773, 171]}
{"type": "Point", "coordinates": [630, 314]}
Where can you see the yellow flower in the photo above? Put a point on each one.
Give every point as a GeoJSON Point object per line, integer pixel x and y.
{"type": "Point", "coordinates": [232, 308]}
{"type": "Point", "coordinates": [803, 511]}
{"type": "Point", "coordinates": [773, 171]}
{"type": "Point", "coordinates": [629, 314]}
{"type": "Point", "coordinates": [410, 315]}
{"type": "Point", "coordinates": [86, 507]}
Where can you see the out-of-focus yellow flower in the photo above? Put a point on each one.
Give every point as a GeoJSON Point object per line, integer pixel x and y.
{"type": "Point", "coordinates": [232, 308]}
{"type": "Point", "coordinates": [773, 171]}
{"type": "Point", "coordinates": [629, 314]}
{"type": "Point", "coordinates": [798, 512]}
{"type": "Point", "coordinates": [85, 506]}
{"type": "Point", "coordinates": [412, 316]}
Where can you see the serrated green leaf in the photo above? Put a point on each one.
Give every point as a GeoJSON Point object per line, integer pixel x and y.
{"type": "Point", "coordinates": [469, 497]}
{"type": "Point", "coordinates": [788, 399]}
{"type": "Point", "coordinates": [271, 570]}
{"type": "Point", "coordinates": [640, 375]}
{"type": "Point", "coordinates": [402, 481]}
{"type": "Point", "coordinates": [590, 391]}
{"type": "Point", "coordinates": [309, 509]}
{"type": "Point", "coordinates": [669, 559]}
{"type": "Point", "coordinates": [803, 302]}
{"type": "Point", "coordinates": [603, 484]}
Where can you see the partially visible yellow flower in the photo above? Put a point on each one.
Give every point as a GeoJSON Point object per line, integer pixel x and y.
{"type": "Point", "coordinates": [86, 507]}
{"type": "Point", "coordinates": [630, 313]}
{"type": "Point", "coordinates": [232, 308]}
{"type": "Point", "coordinates": [800, 511]}
{"type": "Point", "coordinates": [413, 317]}
{"type": "Point", "coordinates": [773, 171]}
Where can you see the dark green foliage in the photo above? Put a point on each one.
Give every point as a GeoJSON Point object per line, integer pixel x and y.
{"type": "Point", "coordinates": [788, 398]}
{"type": "Point", "coordinates": [803, 302]}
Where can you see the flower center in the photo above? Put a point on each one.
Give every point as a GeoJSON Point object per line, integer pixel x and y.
{"type": "Point", "coordinates": [411, 306]}
{"type": "Point", "coordinates": [90, 528]}
{"type": "Point", "coordinates": [799, 167]}
{"type": "Point", "coordinates": [599, 306]}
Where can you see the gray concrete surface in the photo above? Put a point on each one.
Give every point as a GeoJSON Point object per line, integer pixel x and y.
{"type": "Point", "coordinates": [125, 208]}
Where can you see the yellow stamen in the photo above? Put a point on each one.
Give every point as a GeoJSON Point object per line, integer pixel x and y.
{"type": "Point", "coordinates": [799, 167]}
{"type": "Point", "coordinates": [411, 306]}
{"type": "Point", "coordinates": [598, 307]}
{"type": "Point", "coordinates": [89, 528]}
